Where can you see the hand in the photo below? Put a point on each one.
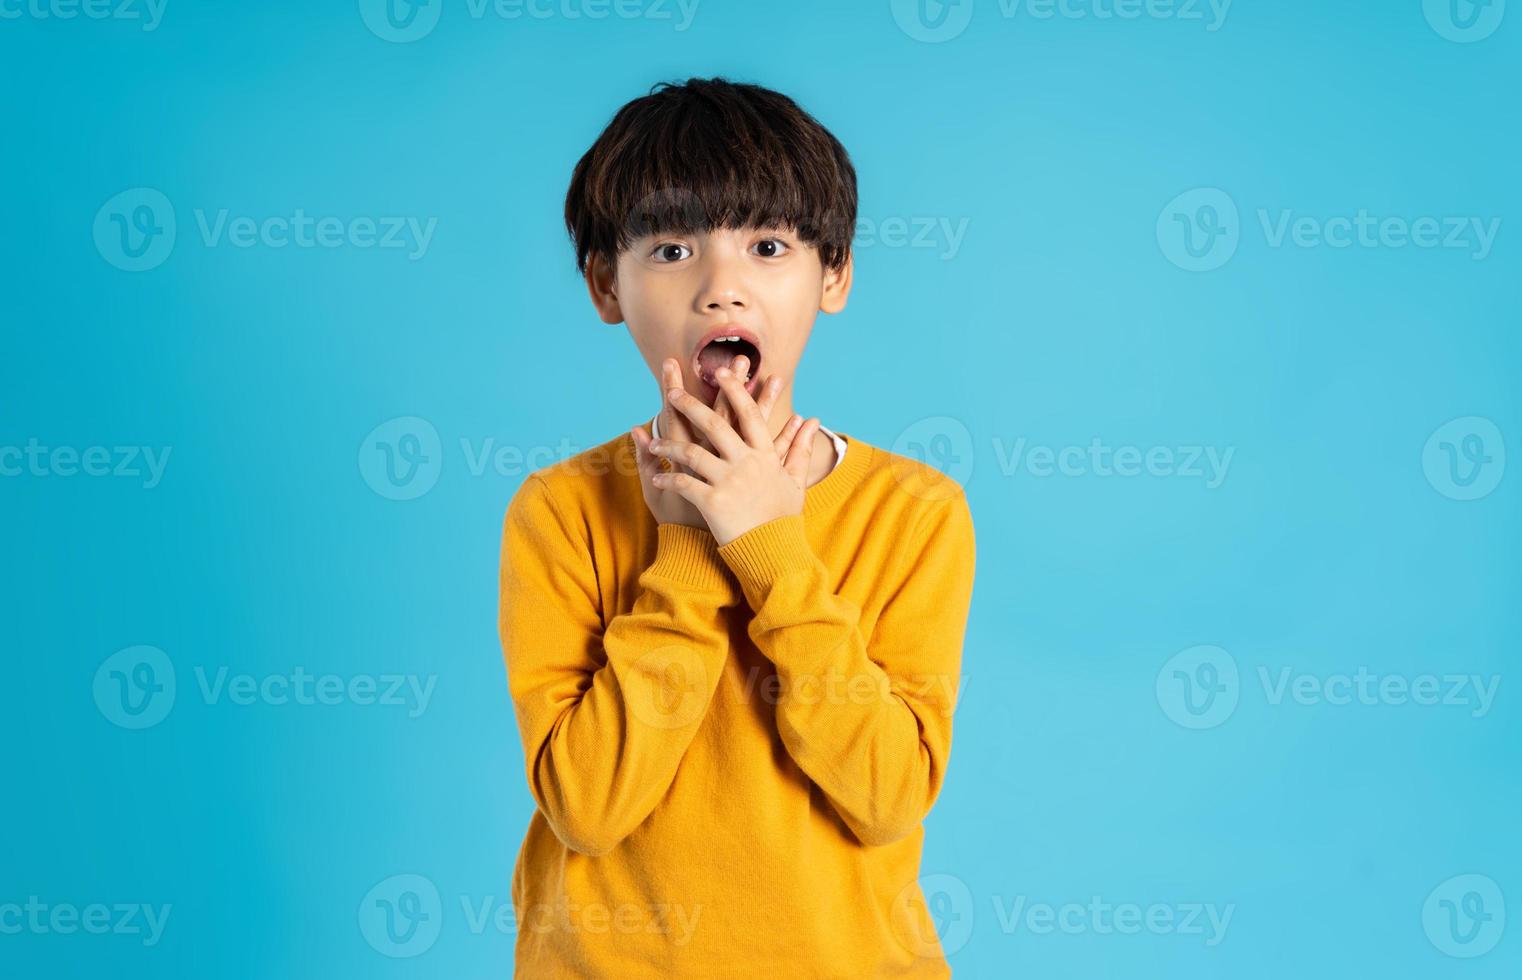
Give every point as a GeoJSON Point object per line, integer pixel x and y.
{"type": "Point", "coordinates": [668, 507]}
{"type": "Point", "coordinates": [665, 506]}
{"type": "Point", "coordinates": [771, 389]}
{"type": "Point", "coordinates": [754, 479]}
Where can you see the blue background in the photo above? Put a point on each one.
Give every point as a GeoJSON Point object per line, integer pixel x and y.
{"type": "Point", "coordinates": [1334, 541]}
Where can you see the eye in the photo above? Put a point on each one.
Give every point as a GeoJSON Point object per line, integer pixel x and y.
{"type": "Point", "coordinates": [662, 252]}
{"type": "Point", "coordinates": [777, 247]}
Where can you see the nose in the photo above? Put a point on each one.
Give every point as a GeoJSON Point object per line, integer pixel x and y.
{"type": "Point", "coordinates": [723, 285]}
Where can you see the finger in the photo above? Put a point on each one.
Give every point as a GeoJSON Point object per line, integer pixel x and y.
{"type": "Point", "coordinates": [799, 456]}
{"type": "Point", "coordinates": [784, 440]}
{"type": "Point", "coordinates": [647, 462]}
{"type": "Point", "coordinates": [703, 419]}
{"type": "Point", "coordinates": [673, 424]}
{"type": "Point", "coordinates": [686, 486]}
{"type": "Point", "coordinates": [771, 390]}
{"type": "Point", "coordinates": [642, 456]}
{"type": "Point", "coordinates": [721, 409]}
{"type": "Point", "coordinates": [752, 427]}
{"type": "Point", "coordinates": [697, 459]}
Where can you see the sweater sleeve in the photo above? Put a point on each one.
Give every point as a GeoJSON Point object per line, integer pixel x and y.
{"type": "Point", "coordinates": [870, 723]}
{"type": "Point", "coordinates": [606, 712]}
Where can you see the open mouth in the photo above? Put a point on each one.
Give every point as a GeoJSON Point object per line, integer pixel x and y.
{"type": "Point", "coordinates": [718, 349]}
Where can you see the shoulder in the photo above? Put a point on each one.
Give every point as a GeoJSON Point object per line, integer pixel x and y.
{"type": "Point", "coordinates": [574, 487]}
{"type": "Point", "coordinates": [908, 491]}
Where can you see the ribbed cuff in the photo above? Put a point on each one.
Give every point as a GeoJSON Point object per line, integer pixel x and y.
{"type": "Point", "coordinates": [689, 555]}
{"type": "Point", "coordinates": [766, 551]}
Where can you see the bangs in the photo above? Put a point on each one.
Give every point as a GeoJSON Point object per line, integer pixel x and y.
{"type": "Point", "coordinates": [717, 159]}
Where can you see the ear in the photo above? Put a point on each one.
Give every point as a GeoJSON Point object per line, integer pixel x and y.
{"type": "Point", "coordinates": [602, 287]}
{"type": "Point", "coordinates": [837, 286]}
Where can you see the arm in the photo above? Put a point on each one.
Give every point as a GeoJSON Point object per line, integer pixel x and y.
{"type": "Point", "coordinates": [869, 723]}
{"type": "Point", "coordinates": [605, 714]}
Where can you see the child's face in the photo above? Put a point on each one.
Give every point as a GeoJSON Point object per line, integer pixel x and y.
{"type": "Point", "coordinates": [673, 290]}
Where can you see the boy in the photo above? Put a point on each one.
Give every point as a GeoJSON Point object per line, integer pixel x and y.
{"type": "Point", "coordinates": [733, 638]}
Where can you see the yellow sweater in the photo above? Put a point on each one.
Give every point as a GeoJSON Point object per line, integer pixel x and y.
{"type": "Point", "coordinates": [732, 748]}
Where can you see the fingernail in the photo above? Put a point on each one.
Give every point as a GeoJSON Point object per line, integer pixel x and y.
{"type": "Point", "coordinates": [672, 393]}
{"type": "Point", "coordinates": [741, 363]}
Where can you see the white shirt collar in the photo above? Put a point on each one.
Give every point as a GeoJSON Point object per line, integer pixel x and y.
{"type": "Point", "coordinates": [840, 444]}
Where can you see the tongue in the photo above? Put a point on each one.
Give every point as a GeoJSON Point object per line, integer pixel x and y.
{"type": "Point", "coordinates": [715, 356]}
